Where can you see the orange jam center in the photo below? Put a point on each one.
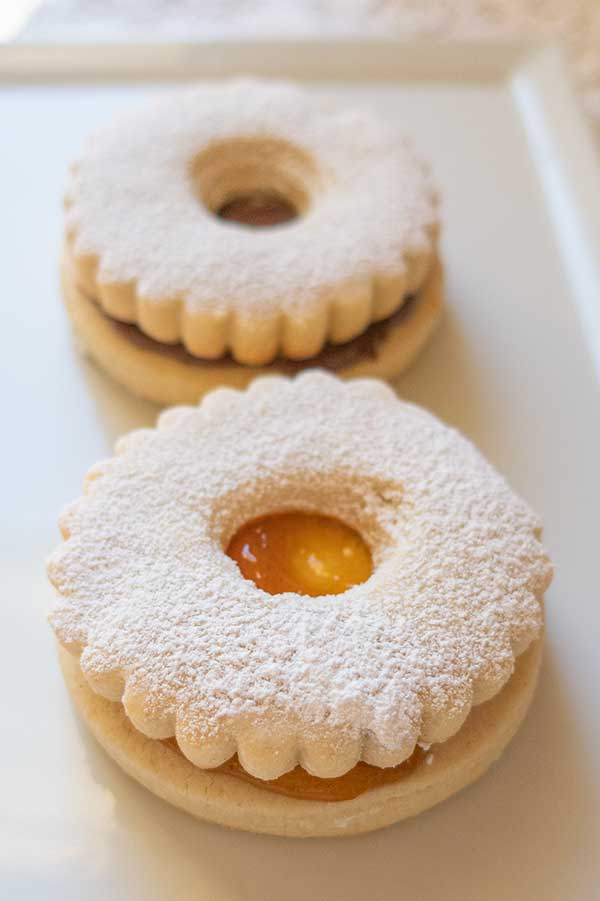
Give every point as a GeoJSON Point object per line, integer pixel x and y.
{"type": "Point", "coordinates": [305, 553]}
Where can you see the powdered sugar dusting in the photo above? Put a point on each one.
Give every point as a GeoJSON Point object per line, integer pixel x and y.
{"type": "Point", "coordinates": [134, 204]}
{"type": "Point", "coordinates": [159, 611]}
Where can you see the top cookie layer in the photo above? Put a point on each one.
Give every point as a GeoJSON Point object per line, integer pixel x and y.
{"type": "Point", "coordinates": [148, 245]}
{"type": "Point", "coordinates": [164, 621]}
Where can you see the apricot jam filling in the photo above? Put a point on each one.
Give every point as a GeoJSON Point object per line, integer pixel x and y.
{"type": "Point", "coordinates": [302, 786]}
{"type": "Point", "coordinates": [307, 553]}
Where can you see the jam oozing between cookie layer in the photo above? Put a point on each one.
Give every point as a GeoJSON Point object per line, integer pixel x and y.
{"type": "Point", "coordinates": [306, 553]}
{"type": "Point", "coordinates": [302, 786]}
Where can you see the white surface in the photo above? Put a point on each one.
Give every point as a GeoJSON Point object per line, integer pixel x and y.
{"type": "Point", "coordinates": [509, 366]}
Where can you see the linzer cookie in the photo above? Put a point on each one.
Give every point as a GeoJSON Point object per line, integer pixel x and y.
{"type": "Point", "coordinates": [308, 608]}
{"type": "Point", "coordinates": [250, 226]}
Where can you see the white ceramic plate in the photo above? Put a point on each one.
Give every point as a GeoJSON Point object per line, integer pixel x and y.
{"type": "Point", "coordinates": [514, 365]}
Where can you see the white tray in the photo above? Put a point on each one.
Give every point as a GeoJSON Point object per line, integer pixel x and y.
{"type": "Point", "coordinates": [514, 365]}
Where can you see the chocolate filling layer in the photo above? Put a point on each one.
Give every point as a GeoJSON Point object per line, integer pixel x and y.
{"type": "Point", "coordinates": [258, 210]}
{"type": "Point", "coordinates": [333, 357]}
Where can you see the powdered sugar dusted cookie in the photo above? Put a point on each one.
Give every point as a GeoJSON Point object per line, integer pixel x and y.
{"type": "Point", "coordinates": [167, 374]}
{"type": "Point", "coordinates": [258, 806]}
{"type": "Point", "coordinates": [148, 241]}
{"type": "Point", "coordinates": [162, 620]}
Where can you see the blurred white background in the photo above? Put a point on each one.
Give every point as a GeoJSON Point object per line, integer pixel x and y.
{"type": "Point", "coordinates": [573, 23]}
{"type": "Point", "coordinates": [13, 15]}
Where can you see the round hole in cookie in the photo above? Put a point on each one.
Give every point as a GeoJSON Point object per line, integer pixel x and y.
{"type": "Point", "coordinates": [254, 181]}
{"type": "Point", "coordinates": [305, 553]}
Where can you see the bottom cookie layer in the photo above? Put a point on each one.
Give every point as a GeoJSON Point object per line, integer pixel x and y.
{"type": "Point", "coordinates": [167, 374]}
{"type": "Point", "coordinates": [223, 799]}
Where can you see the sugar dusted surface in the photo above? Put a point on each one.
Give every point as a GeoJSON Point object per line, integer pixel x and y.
{"type": "Point", "coordinates": [134, 206]}
{"type": "Point", "coordinates": [156, 608]}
